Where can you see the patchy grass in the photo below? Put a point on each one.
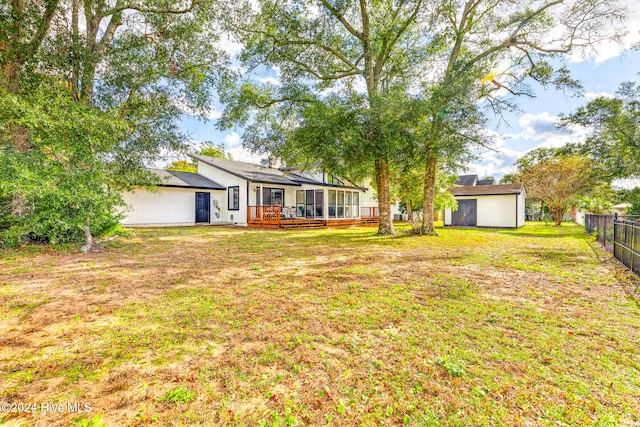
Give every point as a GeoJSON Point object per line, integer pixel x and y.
{"type": "Point", "coordinates": [229, 326]}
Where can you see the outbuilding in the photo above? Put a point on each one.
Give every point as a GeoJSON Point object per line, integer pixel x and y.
{"type": "Point", "coordinates": [491, 206]}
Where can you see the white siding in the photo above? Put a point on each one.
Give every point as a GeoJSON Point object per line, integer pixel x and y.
{"type": "Point", "coordinates": [369, 198]}
{"type": "Point", "coordinates": [168, 206]}
{"type": "Point", "coordinates": [227, 180]}
{"type": "Point", "coordinates": [521, 210]}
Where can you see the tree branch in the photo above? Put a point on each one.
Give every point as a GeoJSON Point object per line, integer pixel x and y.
{"type": "Point", "coordinates": [335, 12]}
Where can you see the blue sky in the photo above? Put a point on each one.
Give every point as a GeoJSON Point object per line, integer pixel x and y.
{"type": "Point", "coordinates": [516, 132]}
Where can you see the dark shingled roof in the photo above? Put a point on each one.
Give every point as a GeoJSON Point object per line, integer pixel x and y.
{"type": "Point", "coordinates": [249, 171]}
{"type": "Point", "coordinates": [467, 180]}
{"type": "Point", "coordinates": [487, 190]}
{"type": "Point", "coordinates": [185, 180]}
{"type": "Point", "coordinates": [261, 174]}
{"type": "Point", "coordinates": [485, 182]}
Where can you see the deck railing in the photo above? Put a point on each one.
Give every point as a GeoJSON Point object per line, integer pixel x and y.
{"type": "Point", "coordinates": [369, 212]}
{"type": "Point", "coordinates": [267, 214]}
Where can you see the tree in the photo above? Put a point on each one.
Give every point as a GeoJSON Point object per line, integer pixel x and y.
{"type": "Point", "coordinates": [62, 181]}
{"type": "Point", "coordinates": [614, 132]}
{"type": "Point", "coordinates": [210, 149]}
{"type": "Point", "coordinates": [324, 52]}
{"type": "Point", "coordinates": [477, 39]}
{"type": "Point", "coordinates": [139, 65]}
{"type": "Point", "coordinates": [215, 150]}
{"type": "Point", "coordinates": [558, 182]}
{"type": "Point", "coordinates": [182, 166]}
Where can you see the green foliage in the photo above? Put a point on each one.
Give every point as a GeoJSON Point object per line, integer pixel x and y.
{"type": "Point", "coordinates": [93, 422]}
{"type": "Point", "coordinates": [633, 197]}
{"type": "Point", "coordinates": [211, 150]}
{"type": "Point", "coordinates": [182, 166]}
{"type": "Point", "coordinates": [63, 180]}
{"type": "Point", "coordinates": [557, 179]}
{"type": "Point", "coordinates": [215, 150]}
{"type": "Point", "coordinates": [179, 395]}
{"type": "Point", "coordinates": [614, 126]}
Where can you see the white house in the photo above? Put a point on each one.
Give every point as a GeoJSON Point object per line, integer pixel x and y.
{"type": "Point", "coordinates": [484, 204]}
{"type": "Point", "coordinates": [182, 198]}
{"type": "Point", "coordinates": [243, 193]}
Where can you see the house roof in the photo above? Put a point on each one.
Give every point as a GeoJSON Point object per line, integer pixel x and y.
{"type": "Point", "coordinates": [261, 174]}
{"type": "Point", "coordinates": [485, 182]}
{"type": "Point", "coordinates": [249, 171]}
{"type": "Point", "coordinates": [467, 180]}
{"type": "Point", "coordinates": [185, 180]}
{"type": "Point", "coordinates": [487, 190]}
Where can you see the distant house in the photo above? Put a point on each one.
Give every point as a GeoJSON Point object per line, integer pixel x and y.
{"type": "Point", "coordinates": [229, 191]}
{"type": "Point", "coordinates": [481, 203]}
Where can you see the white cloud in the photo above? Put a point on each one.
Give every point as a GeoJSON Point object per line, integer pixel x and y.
{"type": "Point", "coordinates": [232, 47]}
{"type": "Point", "coordinates": [232, 140]}
{"type": "Point", "coordinates": [544, 127]}
{"type": "Point", "coordinates": [608, 49]}
{"type": "Point", "coordinates": [233, 145]}
{"type": "Point", "coordinates": [593, 95]}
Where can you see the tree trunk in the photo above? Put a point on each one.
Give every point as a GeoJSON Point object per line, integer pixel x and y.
{"type": "Point", "coordinates": [409, 210]}
{"type": "Point", "coordinates": [21, 143]}
{"type": "Point", "coordinates": [557, 213]}
{"type": "Point", "coordinates": [88, 239]}
{"type": "Point", "coordinates": [384, 196]}
{"type": "Point", "coordinates": [429, 193]}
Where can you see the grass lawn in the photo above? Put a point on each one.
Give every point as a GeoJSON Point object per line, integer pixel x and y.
{"type": "Point", "coordinates": [229, 326]}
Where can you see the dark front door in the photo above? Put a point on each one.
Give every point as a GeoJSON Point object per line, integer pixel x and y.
{"type": "Point", "coordinates": [203, 205]}
{"type": "Point", "coordinates": [467, 213]}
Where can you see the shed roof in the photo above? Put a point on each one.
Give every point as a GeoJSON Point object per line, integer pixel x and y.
{"type": "Point", "coordinates": [185, 179]}
{"type": "Point", "coordinates": [487, 190]}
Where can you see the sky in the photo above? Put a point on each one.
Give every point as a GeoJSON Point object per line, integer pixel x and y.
{"type": "Point", "coordinates": [515, 133]}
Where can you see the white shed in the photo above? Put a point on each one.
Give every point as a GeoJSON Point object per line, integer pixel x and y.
{"type": "Point", "coordinates": [492, 206]}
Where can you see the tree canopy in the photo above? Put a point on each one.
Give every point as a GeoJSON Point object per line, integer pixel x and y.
{"type": "Point", "coordinates": [558, 181]}
{"type": "Point", "coordinates": [345, 67]}
{"type": "Point", "coordinates": [614, 132]}
{"type": "Point", "coordinates": [119, 75]}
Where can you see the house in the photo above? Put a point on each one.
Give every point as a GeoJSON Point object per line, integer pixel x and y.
{"type": "Point", "coordinates": [182, 198]}
{"type": "Point", "coordinates": [229, 191]}
{"type": "Point", "coordinates": [481, 203]}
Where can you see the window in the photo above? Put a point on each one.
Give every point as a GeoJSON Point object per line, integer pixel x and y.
{"type": "Point", "coordinates": [332, 203]}
{"type": "Point", "coordinates": [234, 198]}
{"type": "Point", "coordinates": [300, 203]}
{"type": "Point", "coordinates": [310, 202]}
{"type": "Point", "coordinates": [340, 204]}
{"type": "Point", "coordinates": [333, 180]}
{"type": "Point", "coordinates": [356, 207]}
{"type": "Point", "coordinates": [319, 203]}
{"type": "Point", "coordinates": [347, 204]}
{"type": "Point", "coordinates": [272, 196]}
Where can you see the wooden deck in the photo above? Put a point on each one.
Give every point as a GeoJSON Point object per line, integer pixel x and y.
{"type": "Point", "coordinates": [269, 217]}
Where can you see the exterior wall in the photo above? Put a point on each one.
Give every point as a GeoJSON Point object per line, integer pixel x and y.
{"type": "Point", "coordinates": [495, 210]}
{"type": "Point", "coordinates": [167, 207]}
{"type": "Point", "coordinates": [228, 180]}
{"type": "Point", "coordinates": [369, 199]}
{"type": "Point", "coordinates": [521, 210]}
